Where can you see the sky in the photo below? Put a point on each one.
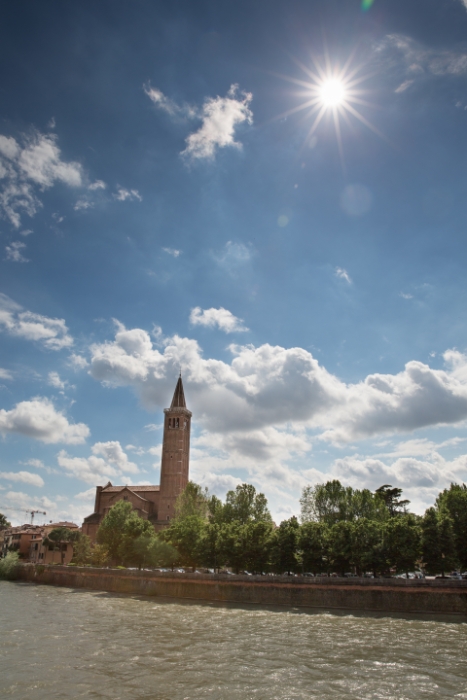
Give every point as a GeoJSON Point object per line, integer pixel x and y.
{"type": "Point", "coordinates": [269, 197]}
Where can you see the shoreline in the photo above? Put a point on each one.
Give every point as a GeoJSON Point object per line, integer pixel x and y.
{"type": "Point", "coordinates": [407, 596]}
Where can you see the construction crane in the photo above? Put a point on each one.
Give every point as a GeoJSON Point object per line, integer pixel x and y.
{"type": "Point", "coordinates": [33, 512]}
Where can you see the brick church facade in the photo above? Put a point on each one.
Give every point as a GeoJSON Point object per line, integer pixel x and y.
{"type": "Point", "coordinates": [154, 503]}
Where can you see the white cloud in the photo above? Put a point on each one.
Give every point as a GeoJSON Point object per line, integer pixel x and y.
{"type": "Point", "coordinates": [88, 495]}
{"type": "Point", "coordinates": [13, 252]}
{"type": "Point", "coordinates": [221, 116]}
{"type": "Point", "coordinates": [222, 318]}
{"type": "Point", "coordinates": [39, 419]}
{"type": "Point", "coordinates": [270, 386]}
{"type": "Point", "coordinates": [25, 477]}
{"type": "Point", "coordinates": [165, 103]}
{"type": "Point", "coordinates": [172, 251]}
{"type": "Point", "coordinates": [112, 451]}
{"type": "Point", "coordinates": [343, 274]}
{"type": "Point", "coordinates": [51, 332]}
{"type": "Point", "coordinates": [83, 204]}
{"type": "Point", "coordinates": [78, 362]}
{"type": "Point", "coordinates": [411, 62]}
{"type": "Point", "coordinates": [112, 463]}
{"type": "Point", "coordinates": [34, 165]}
{"type": "Point", "coordinates": [26, 232]}
{"type": "Point", "coordinates": [5, 374]}
{"type": "Point", "coordinates": [55, 381]}
{"type": "Point", "coordinates": [123, 194]}
{"type": "Point", "coordinates": [97, 185]}
{"type": "Point", "coordinates": [25, 502]}
{"type": "Point", "coordinates": [406, 295]}
{"type": "Point", "coordinates": [234, 257]}
{"type": "Point", "coordinates": [39, 464]}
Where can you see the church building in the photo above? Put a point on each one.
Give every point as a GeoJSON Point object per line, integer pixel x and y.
{"type": "Point", "coordinates": [154, 503]}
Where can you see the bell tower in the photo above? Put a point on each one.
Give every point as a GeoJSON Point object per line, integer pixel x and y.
{"type": "Point", "coordinates": [175, 460]}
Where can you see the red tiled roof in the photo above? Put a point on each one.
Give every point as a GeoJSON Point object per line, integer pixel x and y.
{"type": "Point", "coordinates": [136, 489]}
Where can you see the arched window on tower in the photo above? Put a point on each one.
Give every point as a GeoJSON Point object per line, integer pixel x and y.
{"type": "Point", "coordinates": [178, 422]}
{"type": "Point", "coordinates": [170, 422]}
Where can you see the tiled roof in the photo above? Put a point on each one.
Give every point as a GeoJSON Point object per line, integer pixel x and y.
{"type": "Point", "coordinates": [136, 489]}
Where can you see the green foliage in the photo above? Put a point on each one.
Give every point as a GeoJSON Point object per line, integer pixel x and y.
{"type": "Point", "coordinates": [402, 543]}
{"type": "Point", "coordinates": [193, 501]}
{"type": "Point", "coordinates": [340, 543]}
{"type": "Point", "coordinates": [286, 553]}
{"type": "Point", "coordinates": [313, 546]}
{"type": "Point", "coordinates": [4, 523]}
{"type": "Point", "coordinates": [112, 528]}
{"type": "Point", "coordinates": [99, 555]}
{"type": "Point", "coordinates": [391, 499]}
{"type": "Point", "coordinates": [438, 545]}
{"type": "Point", "coordinates": [242, 506]}
{"type": "Point", "coordinates": [185, 535]}
{"type": "Point", "coordinates": [81, 550]}
{"type": "Point", "coordinates": [9, 566]}
{"type": "Point", "coordinates": [453, 502]}
{"type": "Point", "coordinates": [331, 503]}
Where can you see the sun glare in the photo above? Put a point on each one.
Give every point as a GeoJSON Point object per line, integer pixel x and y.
{"type": "Point", "coordinates": [332, 93]}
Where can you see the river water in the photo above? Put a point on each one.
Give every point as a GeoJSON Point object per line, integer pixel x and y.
{"type": "Point", "coordinates": [64, 643]}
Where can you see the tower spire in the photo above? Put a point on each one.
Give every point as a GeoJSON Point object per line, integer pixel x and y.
{"type": "Point", "coordinates": [178, 400]}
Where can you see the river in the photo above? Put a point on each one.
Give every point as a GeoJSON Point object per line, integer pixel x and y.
{"type": "Point", "coordinates": [59, 643]}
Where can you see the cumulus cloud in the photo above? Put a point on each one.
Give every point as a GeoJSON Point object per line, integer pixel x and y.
{"type": "Point", "coordinates": [273, 386]}
{"type": "Point", "coordinates": [39, 419]}
{"type": "Point", "coordinates": [5, 374]}
{"type": "Point", "coordinates": [25, 502]}
{"type": "Point", "coordinates": [13, 252]}
{"type": "Point", "coordinates": [51, 332]}
{"type": "Point", "coordinates": [172, 251]}
{"type": "Point", "coordinates": [28, 167]}
{"type": "Point", "coordinates": [123, 194]}
{"type": "Point", "coordinates": [221, 116]}
{"type": "Point", "coordinates": [220, 318]}
{"type": "Point", "coordinates": [77, 362]}
{"type": "Point", "coordinates": [25, 477]}
{"type": "Point", "coordinates": [55, 381]}
{"type": "Point", "coordinates": [107, 461]}
{"type": "Point", "coordinates": [97, 185]}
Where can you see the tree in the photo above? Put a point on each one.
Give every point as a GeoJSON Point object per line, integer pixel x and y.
{"type": "Point", "coordinates": [4, 523]}
{"type": "Point", "coordinates": [322, 502]}
{"type": "Point", "coordinates": [340, 543]}
{"type": "Point", "coordinates": [185, 535]}
{"type": "Point", "coordinates": [453, 502]}
{"type": "Point", "coordinates": [58, 540]}
{"type": "Point", "coordinates": [391, 499]}
{"type": "Point", "coordinates": [438, 548]}
{"type": "Point", "coordinates": [286, 551]}
{"type": "Point", "coordinates": [402, 543]}
{"type": "Point", "coordinates": [210, 546]}
{"type": "Point", "coordinates": [366, 536]}
{"type": "Point", "coordinates": [99, 555]}
{"type": "Point", "coordinates": [257, 538]}
{"type": "Point", "coordinates": [81, 550]}
{"type": "Point", "coordinates": [111, 528]}
{"type": "Point", "coordinates": [9, 566]}
{"type": "Point", "coordinates": [313, 546]}
{"type": "Point", "coordinates": [244, 505]}
{"type": "Point", "coordinates": [192, 501]}
{"type": "Point", "coordinates": [133, 529]}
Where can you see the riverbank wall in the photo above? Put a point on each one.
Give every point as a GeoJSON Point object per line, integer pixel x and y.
{"type": "Point", "coordinates": [444, 597]}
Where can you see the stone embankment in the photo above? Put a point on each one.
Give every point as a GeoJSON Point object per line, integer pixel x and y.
{"type": "Point", "coordinates": [444, 597]}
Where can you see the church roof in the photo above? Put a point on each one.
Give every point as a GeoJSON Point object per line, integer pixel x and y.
{"type": "Point", "coordinates": [178, 400]}
{"type": "Point", "coordinates": [135, 489]}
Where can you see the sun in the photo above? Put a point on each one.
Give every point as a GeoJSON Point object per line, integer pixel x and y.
{"type": "Point", "coordinates": [332, 92]}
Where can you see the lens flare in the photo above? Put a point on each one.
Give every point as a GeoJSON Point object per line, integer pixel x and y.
{"type": "Point", "coordinates": [366, 4]}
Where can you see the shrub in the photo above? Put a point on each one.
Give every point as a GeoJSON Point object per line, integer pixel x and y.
{"type": "Point", "coordinates": [9, 566]}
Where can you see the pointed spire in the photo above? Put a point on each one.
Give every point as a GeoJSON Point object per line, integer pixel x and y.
{"type": "Point", "coordinates": [178, 400]}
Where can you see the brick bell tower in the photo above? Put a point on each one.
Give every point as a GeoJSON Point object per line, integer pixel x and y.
{"type": "Point", "coordinates": [175, 460]}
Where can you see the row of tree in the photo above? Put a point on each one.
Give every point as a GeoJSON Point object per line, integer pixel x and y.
{"type": "Point", "coordinates": [341, 530]}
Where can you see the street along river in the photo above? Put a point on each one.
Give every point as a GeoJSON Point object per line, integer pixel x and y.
{"type": "Point", "coordinates": [64, 643]}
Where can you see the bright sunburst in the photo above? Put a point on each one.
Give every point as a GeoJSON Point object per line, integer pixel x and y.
{"type": "Point", "coordinates": [332, 91]}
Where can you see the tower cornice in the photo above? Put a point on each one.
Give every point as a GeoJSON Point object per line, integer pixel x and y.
{"type": "Point", "coordinates": [178, 409]}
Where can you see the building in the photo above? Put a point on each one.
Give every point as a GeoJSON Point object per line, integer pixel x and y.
{"type": "Point", "coordinates": [39, 553]}
{"type": "Point", "coordinates": [18, 539]}
{"type": "Point", "coordinates": [154, 503]}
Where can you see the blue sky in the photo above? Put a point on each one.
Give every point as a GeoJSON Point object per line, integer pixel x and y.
{"type": "Point", "coordinates": [167, 201]}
